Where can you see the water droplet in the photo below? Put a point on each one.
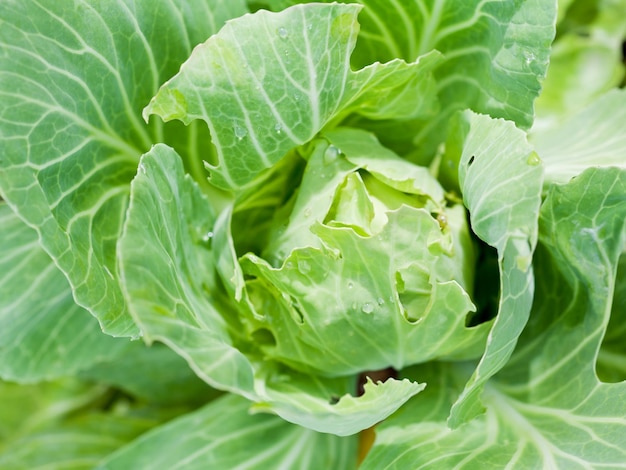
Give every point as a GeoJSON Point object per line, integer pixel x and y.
{"type": "Point", "coordinates": [523, 262]}
{"type": "Point", "coordinates": [303, 266]}
{"type": "Point", "coordinates": [278, 127]}
{"type": "Point", "coordinates": [309, 26]}
{"type": "Point", "coordinates": [136, 337]}
{"type": "Point", "coordinates": [207, 236]}
{"type": "Point", "coordinates": [529, 57]}
{"type": "Point", "coordinates": [367, 308]}
{"type": "Point", "coordinates": [282, 33]}
{"type": "Point", "coordinates": [442, 220]}
{"type": "Point", "coordinates": [380, 301]}
{"type": "Point", "coordinates": [350, 285]}
{"type": "Point", "coordinates": [307, 212]}
{"type": "Point", "coordinates": [533, 159]}
{"type": "Point", "coordinates": [297, 97]}
{"type": "Point", "coordinates": [354, 305]}
{"type": "Point", "coordinates": [289, 265]}
{"type": "Point", "coordinates": [331, 154]}
{"type": "Point", "coordinates": [240, 132]}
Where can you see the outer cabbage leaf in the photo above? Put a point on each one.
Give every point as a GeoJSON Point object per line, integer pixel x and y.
{"type": "Point", "coordinates": [224, 434]}
{"type": "Point", "coordinates": [73, 79]}
{"type": "Point", "coordinates": [165, 378]}
{"type": "Point", "coordinates": [586, 59]}
{"type": "Point", "coordinates": [329, 405]}
{"type": "Point", "coordinates": [60, 424]}
{"type": "Point", "coordinates": [494, 57]}
{"type": "Point", "coordinates": [26, 407]}
{"type": "Point", "coordinates": [269, 82]}
{"type": "Point", "coordinates": [169, 276]}
{"type": "Point", "coordinates": [494, 53]}
{"type": "Point", "coordinates": [611, 364]}
{"type": "Point", "coordinates": [43, 333]}
{"type": "Point", "coordinates": [593, 137]}
{"type": "Point", "coordinates": [501, 180]}
{"type": "Point", "coordinates": [547, 408]}
{"type": "Point", "coordinates": [168, 272]}
{"type": "Point", "coordinates": [79, 444]}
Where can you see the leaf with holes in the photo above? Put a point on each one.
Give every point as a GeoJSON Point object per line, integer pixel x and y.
{"type": "Point", "coordinates": [73, 80]}
{"type": "Point", "coordinates": [341, 235]}
{"type": "Point", "coordinates": [269, 82]}
{"type": "Point", "coordinates": [547, 408]}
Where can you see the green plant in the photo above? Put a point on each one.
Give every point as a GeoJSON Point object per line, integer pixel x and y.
{"type": "Point", "coordinates": [332, 225]}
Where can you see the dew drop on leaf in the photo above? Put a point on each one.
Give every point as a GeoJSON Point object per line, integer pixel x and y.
{"type": "Point", "coordinates": [529, 57]}
{"type": "Point", "coordinates": [380, 301]}
{"type": "Point", "coordinates": [207, 236]}
{"type": "Point", "coordinates": [283, 33]}
{"type": "Point", "coordinates": [523, 262]}
{"type": "Point", "coordinates": [137, 337]}
{"type": "Point", "coordinates": [240, 132]}
{"type": "Point", "coordinates": [533, 159]}
{"type": "Point", "coordinates": [367, 308]}
{"type": "Point", "coordinates": [350, 285]}
{"type": "Point", "coordinates": [331, 154]}
{"type": "Point", "coordinates": [442, 220]}
{"type": "Point", "coordinates": [303, 266]}
{"type": "Point", "coordinates": [307, 212]}
{"type": "Point", "coordinates": [278, 127]}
